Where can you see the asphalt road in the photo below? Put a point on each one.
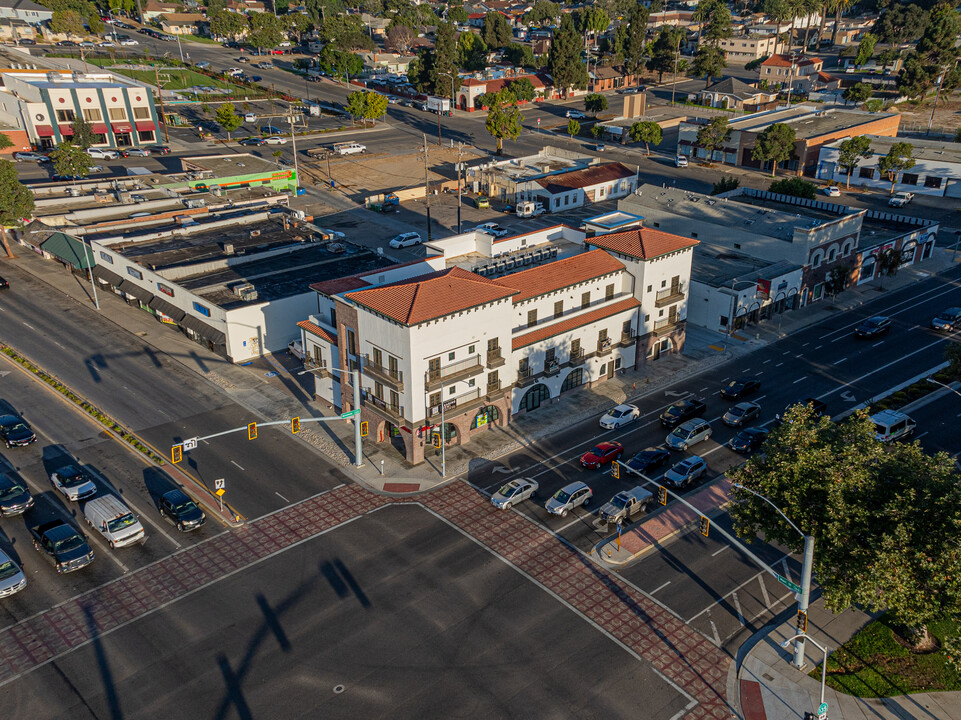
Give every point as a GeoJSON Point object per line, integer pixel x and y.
{"type": "Point", "coordinates": [395, 615]}
{"type": "Point", "coordinates": [824, 361]}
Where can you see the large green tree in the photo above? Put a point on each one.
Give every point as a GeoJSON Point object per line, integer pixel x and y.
{"type": "Point", "coordinates": [898, 159]}
{"type": "Point", "coordinates": [544, 12]}
{"type": "Point", "coordinates": [67, 22]}
{"type": "Point", "coordinates": [471, 52]}
{"type": "Point", "coordinates": [82, 133]}
{"type": "Point", "coordinates": [266, 30]}
{"type": "Point", "coordinates": [497, 30]}
{"type": "Point", "coordinates": [227, 118]}
{"type": "Point", "coordinates": [70, 160]}
{"type": "Point", "coordinates": [564, 58]}
{"type": "Point", "coordinates": [646, 132]}
{"type": "Point", "coordinates": [899, 23]}
{"type": "Point", "coordinates": [573, 127]}
{"type": "Point", "coordinates": [712, 136]}
{"type": "Point", "coordinates": [859, 93]}
{"type": "Point", "coordinates": [445, 59]}
{"type": "Point", "coordinates": [886, 521]}
{"type": "Point", "coordinates": [595, 103]}
{"type": "Point", "coordinates": [708, 62]}
{"type": "Point", "coordinates": [591, 20]}
{"type": "Point", "coordinates": [664, 51]}
{"type": "Point", "coordinates": [228, 24]}
{"type": "Point", "coordinates": [504, 119]}
{"type": "Point", "coordinates": [636, 47]}
{"type": "Point", "coordinates": [16, 202]}
{"type": "Point", "coordinates": [366, 105]}
{"type": "Point", "coordinates": [865, 49]}
{"type": "Point", "coordinates": [520, 55]}
{"type": "Point", "coordinates": [914, 78]}
{"type": "Point", "coordinates": [851, 152]}
{"type": "Point", "coordinates": [523, 89]}
{"type": "Point", "coordinates": [775, 145]}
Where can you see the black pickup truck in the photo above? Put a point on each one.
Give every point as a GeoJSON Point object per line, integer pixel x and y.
{"type": "Point", "coordinates": [63, 545]}
{"type": "Point", "coordinates": [681, 411]}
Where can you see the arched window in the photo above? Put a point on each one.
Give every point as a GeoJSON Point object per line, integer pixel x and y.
{"type": "Point", "coordinates": [574, 379]}
{"type": "Point", "coordinates": [534, 397]}
{"type": "Point", "coordinates": [816, 259]}
{"type": "Point", "coordinates": [846, 250]}
{"type": "Point", "coordinates": [832, 254]}
{"type": "Point", "coordinates": [486, 416]}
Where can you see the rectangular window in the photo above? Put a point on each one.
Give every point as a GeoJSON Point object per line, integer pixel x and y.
{"type": "Point", "coordinates": [932, 182]}
{"type": "Point", "coordinates": [609, 292]}
{"type": "Point", "coordinates": [867, 173]}
{"type": "Point", "coordinates": [602, 335]}
{"type": "Point", "coordinates": [333, 317]}
{"type": "Point", "coordinates": [524, 366]}
{"type": "Point", "coordinates": [626, 330]}
{"type": "Point", "coordinates": [65, 116]}
{"type": "Point", "coordinates": [134, 272]}
{"type": "Point", "coordinates": [575, 347]}
{"type": "Point", "coordinates": [92, 115]}
{"type": "Point", "coordinates": [493, 345]}
{"type": "Point", "coordinates": [379, 390]}
{"type": "Point", "coordinates": [145, 135]}
{"type": "Point", "coordinates": [434, 399]}
{"type": "Point", "coordinates": [351, 342]}
{"type": "Point", "coordinates": [550, 356]}
{"type": "Point", "coordinates": [909, 179]}
{"type": "Point", "coordinates": [585, 300]}
{"type": "Point", "coordinates": [531, 318]}
{"type": "Point", "coordinates": [105, 257]}
{"type": "Point", "coordinates": [392, 366]}
{"type": "Point", "coordinates": [117, 113]}
{"type": "Point", "coordinates": [378, 357]}
{"type": "Point", "coordinates": [395, 399]}
{"type": "Point", "coordinates": [141, 113]}
{"type": "Point", "coordinates": [451, 356]}
{"type": "Point", "coordinates": [471, 349]}
{"type": "Point", "coordinates": [558, 308]}
{"type": "Point", "coordinates": [165, 289]}
{"type": "Point", "coordinates": [493, 381]}
{"type": "Point", "coordinates": [202, 309]}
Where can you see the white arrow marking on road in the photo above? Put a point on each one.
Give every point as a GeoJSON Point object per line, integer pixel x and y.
{"type": "Point", "coordinates": [4, 373]}
{"type": "Point", "coordinates": [501, 469]}
{"type": "Point", "coordinates": [849, 396]}
{"type": "Point", "coordinates": [672, 393]}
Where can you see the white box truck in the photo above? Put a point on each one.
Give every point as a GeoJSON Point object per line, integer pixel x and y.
{"type": "Point", "coordinates": [438, 104]}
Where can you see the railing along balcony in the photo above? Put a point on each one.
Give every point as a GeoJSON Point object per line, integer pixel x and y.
{"type": "Point", "coordinates": [604, 346]}
{"type": "Point", "coordinates": [452, 403]}
{"type": "Point", "coordinates": [394, 378]}
{"type": "Point", "coordinates": [460, 370]}
{"type": "Point", "coordinates": [669, 296]}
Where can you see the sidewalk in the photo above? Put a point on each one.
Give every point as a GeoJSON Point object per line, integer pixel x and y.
{"type": "Point", "coordinates": [769, 687]}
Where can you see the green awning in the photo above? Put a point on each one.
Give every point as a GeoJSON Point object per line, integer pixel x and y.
{"type": "Point", "coordinates": [70, 250]}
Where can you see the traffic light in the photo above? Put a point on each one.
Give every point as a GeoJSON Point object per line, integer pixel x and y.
{"type": "Point", "coordinates": [252, 431]}
{"type": "Point", "coordinates": [802, 621]}
{"type": "Point", "coordinates": [705, 525]}
{"type": "Point", "coordinates": [435, 440]}
{"type": "Point", "coordinates": [295, 425]}
{"type": "Point", "coordinates": [616, 470]}
{"type": "Point", "coordinates": [177, 453]}
{"type": "Point", "coordinates": [363, 428]}
{"type": "Point", "coordinates": [662, 494]}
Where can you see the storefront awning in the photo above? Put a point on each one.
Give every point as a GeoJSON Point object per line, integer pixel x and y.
{"type": "Point", "coordinates": [204, 330]}
{"type": "Point", "coordinates": [44, 130]}
{"type": "Point", "coordinates": [145, 126]}
{"type": "Point", "coordinates": [131, 288]}
{"type": "Point", "coordinates": [66, 130]}
{"type": "Point", "coordinates": [121, 128]}
{"type": "Point", "coordinates": [109, 276]}
{"type": "Point", "coordinates": [168, 309]}
{"type": "Point", "coordinates": [99, 128]}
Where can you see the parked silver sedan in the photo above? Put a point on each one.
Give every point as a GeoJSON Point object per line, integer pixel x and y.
{"type": "Point", "coordinates": [514, 492]}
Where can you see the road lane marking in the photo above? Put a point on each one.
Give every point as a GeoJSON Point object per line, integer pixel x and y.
{"type": "Point", "coordinates": [766, 361]}
{"type": "Point", "coordinates": [235, 463]}
{"type": "Point", "coordinates": [718, 552]}
{"type": "Point", "coordinates": [878, 343]}
{"type": "Point", "coordinates": [737, 606]}
{"type": "Point", "coordinates": [838, 362]}
{"type": "Point", "coordinates": [717, 638]}
{"type": "Point", "coordinates": [787, 570]}
{"type": "Point", "coordinates": [572, 522]}
{"type": "Point", "coordinates": [916, 296]}
{"type": "Point", "coordinates": [660, 588]}
{"type": "Point", "coordinates": [281, 497]}
{"type": "Point", "coordinates": [718, 601]}
{"type": "Point", "coordinates": [28, 325]}
{"type": "Point", "coordinates": [818, 347]}
{"type": "Point", "coordinates": [800, 379]}
{"type": "Point", "coordinates": [767, 598]}
{"type": "Point", "coordinates": [779, 365]}
{"type": "Point", "coordinates": [806, 344]}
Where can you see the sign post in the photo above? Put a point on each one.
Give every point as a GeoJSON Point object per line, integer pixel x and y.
{"type": "Point", "coordinates": [220, 489]}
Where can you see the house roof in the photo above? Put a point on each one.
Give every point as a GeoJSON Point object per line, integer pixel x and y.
{"type": "Point", "coordinates": [340, 285]}
{"type": "Point", "coordinates": [431, 296]}
{"type": "Point", "coordinates": [318, 331]}
{"type": "Point", "coordinates": [186, 18]}
{"type": "Point", "coordinates": [736, 88]}
{"type": "Point", "coordinates": [558, 328]}
{"type": "Point", "coordinates": [560, 274]}
{"type": "Point", "coordinates": [641, 243]}
{"type": "Point", "coordinates": [825, 77]}
{"type": "Point", "coordinates": [23, 5]}
{"type": "Point", "coordinates": [498, 84]}
{"type": "Point", "coordinates": [155, 6]}
{"type": "Point", "coordinates": [786, 61]}
{"type": "Point", "coordinates": [68, 249]}
{"type": "Point", "coordinates": [594, 175]}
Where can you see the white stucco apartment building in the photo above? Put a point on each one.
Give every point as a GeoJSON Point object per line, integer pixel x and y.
{"type": "Point", "coordinates": [484, 329]}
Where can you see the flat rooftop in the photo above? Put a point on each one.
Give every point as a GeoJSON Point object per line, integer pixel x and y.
{"type": "Point", "coordinates": [718, 265]}
{"type": "Point", "coordinates": [808, 121]}
{"type": "Point", "coordinates": [283, 275]}
{"type": "Point", "coordinates": [761, 217]}
{"type": "Point", "coordinates": [230, 165]}
{"type": "Point", "coordinates": [939, 151]}
{"type": "Point", "coordinates": [112, 209]}
{"type": "Point", "coordinates": [612, 220]}
{"type": "Point", "coordinates": [539, 165]}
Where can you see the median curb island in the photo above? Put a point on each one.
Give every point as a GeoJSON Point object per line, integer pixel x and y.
{"type": "Point", "coordinates": [113, 429]}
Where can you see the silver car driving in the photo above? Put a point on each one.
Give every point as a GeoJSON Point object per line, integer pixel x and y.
{"type": "Point", "coordinates": [514, 492]}
{"type": "Point", "coordinates": [568, 498]}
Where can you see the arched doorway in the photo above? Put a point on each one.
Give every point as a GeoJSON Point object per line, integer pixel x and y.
{"type": "Point", "coordinates": [574, 379]}
{"type": "Point", "coordinates": [486, 417]}
{"type": "Point", "coordinates": [534, 397]}
{"type": "Point", "coordinates": [393, 434]}
{"type": "Point", "coordinates": [450, 432]}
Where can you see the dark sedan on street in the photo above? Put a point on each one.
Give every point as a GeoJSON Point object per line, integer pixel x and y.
{"type": "Point", "coordinates": [15, 499]}
{"type": "Point", "coordinates": [748, 440]}
{"type": "Point", "coordinates": [15, 431]}
{"type": "Point", "coordinates": [650, 459]}
{"type": "Point", "coordinates": [177, 507]}
{"type": "Point", "coordinates": [740, 387]}
{"type": "Point", "coordinates": [873, 327]}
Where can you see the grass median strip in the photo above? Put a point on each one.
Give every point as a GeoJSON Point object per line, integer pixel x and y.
{"type": "Point", "coordinates": [92, 410]}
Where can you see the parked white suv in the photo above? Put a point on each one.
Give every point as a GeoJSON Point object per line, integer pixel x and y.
{"type": "Point", "coordinates": [408, 239]}
{"type": "Point", "coordinates": [102, 154]}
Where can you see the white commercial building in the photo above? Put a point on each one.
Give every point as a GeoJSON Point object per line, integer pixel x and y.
{"type": "Point", "coordinates": [484, 328]}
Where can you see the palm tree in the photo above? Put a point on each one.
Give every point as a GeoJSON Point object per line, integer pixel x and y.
{"type": "Point", "coordinates": [810, 7]}
{"type": "Point", "coordinates": [839, 6]}
{"type": "Point", "coordinates": [779, 11]}
{"type": "Point", "coordinates": [824, 20]}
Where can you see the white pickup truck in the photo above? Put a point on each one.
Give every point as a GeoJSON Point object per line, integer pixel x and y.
{"type": "Point", "coordinates": [349, 148]}
{"type": "Point", "coordinates": [901, 199]}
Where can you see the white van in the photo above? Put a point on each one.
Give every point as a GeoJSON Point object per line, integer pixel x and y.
{"type": "Point", "coordinates": [530, 209]}
{"type": "Point", "coordinates": [111, 518]}
{"type": "Point", "coordinates": [891, 425]}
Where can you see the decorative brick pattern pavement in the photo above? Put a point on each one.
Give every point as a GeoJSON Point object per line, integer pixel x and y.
{"type": "Point", "coordinates": [681, 655]}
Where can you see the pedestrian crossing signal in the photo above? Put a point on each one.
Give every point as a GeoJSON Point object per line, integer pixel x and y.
{"type": "Point", "coordinates": [177, 453]}
{"type": "Point", "coordinates": [616, 470]}
{"type": "Point", "coordinates": [662, 494]}
{"type": "Point", "coordinates": [252, 431]}
{"type": "Point", "coordinates": [295, 425]}
{"type": "Point", "coordinates": [363, 428]}
{"type": "Point", "coordinates": [435, 440]}
{"type": "Point", "coordinates": [705, 525]}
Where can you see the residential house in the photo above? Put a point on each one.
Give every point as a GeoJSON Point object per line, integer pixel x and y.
{"type": "Point", "coordinates": [606, 77]}
{"type": "Point", "coordinates": [733, 94]}
{"type": "Point", "coordinates": [182, 23]}
{"type": "Point", "coordinates": [472, 88]}
{"type": "Point", "coordinates": [783, 71]}
{"type": "Point", "coordinates": [14, 30]}
{"type": "Point", "coordinates": [745, 48]}
{"type": "Point", "coordinates": [153, 9]}
{"type": "Point", "coordinates": [576, 188]}
{"type": "Point", "coordinates": [25, 10]}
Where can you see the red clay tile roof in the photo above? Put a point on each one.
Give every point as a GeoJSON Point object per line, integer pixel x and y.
{"type": "Point", "coordinates": [498, 85]}
{"type": "Point", "coordinates": [825, 77]}
{"type": "Point", "coordinates": [428, 297]}
{"type": "Point", "coordinates": [577, 321]}
{"type": "Point", "coordinates": [318, 331]}
{"type": "Point", "coordinates": [785, 61]}
{"type": "Point", "coordinates": [641, 243]}
{"type": "Point", "coordinates": [560, 274]}
{"type": "Point", "coordinates": [594, 175]}
{"type": "Point", "coordinates": [339, 285]}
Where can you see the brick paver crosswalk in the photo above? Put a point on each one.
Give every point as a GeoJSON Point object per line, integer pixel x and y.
{"type": "Point", "coordinates": [681, 655]}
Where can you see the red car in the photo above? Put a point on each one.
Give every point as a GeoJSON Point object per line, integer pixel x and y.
{"type": "Point", "coordinates": [601, 454]}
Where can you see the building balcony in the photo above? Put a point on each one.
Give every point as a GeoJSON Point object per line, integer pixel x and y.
{"type": "Point", "coordinates": [394, 413]}
{"type": "Point", "coordinates": [392, 378]}
{"type": "Point", "coordinates": [666, 326]}
{"type": "Point", "coordinates": [604, 347]}
{"type": "Point", "coordinates": [495, 390]}
{"type": "Point", "coordinates": [455, 372]}
{"type": "Point", "coordinates": [627, 339]}
{"type": "Point", "coordinates": [495, 359]}
{"type": "Point", "coordinates": [525, 376]}
{"type": "Point", "coordinates": [458, 404]}
{"type": "Point", "coordinates": [317, 367]}
{"type": "Point", "coordinates": [551, 368]}
{"type": "Point", "coordinates": [668, 296]}
{"type": "Point", "coordinates": [577, 357]}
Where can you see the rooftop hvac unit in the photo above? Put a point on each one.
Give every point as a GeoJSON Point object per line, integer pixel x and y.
{"type": "Point", "coordinates": [554, 252]}
{"type": "Point", "coordinates": [254, 233]}
{"type": "Point", "coordinates": [228, 248]}
{"type": "Point", "coordinates": [245, 291]}
{"type": "Point", "coordinates": [216, 190]}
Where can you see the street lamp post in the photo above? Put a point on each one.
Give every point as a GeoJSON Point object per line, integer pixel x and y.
{"type": "Point", "coordinates": [93, 285]}
{"type": "Point", "coordinates": [355, 381]}
{"type": "Point", "coordinates": [819, 646]}
{"type": "Point", "coordinates": [451, 76]}
{"type": "Point", "coordinates": [805, 572]}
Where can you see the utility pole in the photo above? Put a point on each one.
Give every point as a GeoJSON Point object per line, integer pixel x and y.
{"type": "Point", "coordinates": [937, 95]}
{"type": "Point", "coordinates": [427, 188]}
{"type": "Point", "coordinates": [440, 142]}
{"type": "Point", "coordinates": [677, 56]}
{"type": "Point", "coordinates": [293, 141]}
{"type": "Point", "coordinates": [163, 115]}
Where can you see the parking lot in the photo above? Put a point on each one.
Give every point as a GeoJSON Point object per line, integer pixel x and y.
{"type": "Point", "coordinates": [431, 625]}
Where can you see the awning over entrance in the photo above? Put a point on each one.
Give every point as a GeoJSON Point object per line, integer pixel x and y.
{"type": "Point", "coordinates": [168, 309]}
{"type": "Point", "coordinates": [99, 128]}
{"type": "Point", "coordinates": [44, 130]}
{"type": "Point", "coordinates": [102, 273]}
{"type": "Point", "coordinates": [204, 330]}
{"type": "Point", "coordinates": [146, 126]}
{"type": "Point", "coordinates": [121, 128]}
{"type": "Point", "coordinates": [144, 296]}
{"type": "Point", "coordinates": [69, 250]}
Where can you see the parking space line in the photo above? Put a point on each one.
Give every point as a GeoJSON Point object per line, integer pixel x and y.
{"type": "Point", "coordinates": [767, 599]}
{"type": "Point", "coordinates": [661, 587]}
{"type": "Point", "coordinates": [737, 606]}
{"type": "Point", "coordinates": [572, 522]}
{"type": "Point", "coordinates": [717, 637]}
{"type": "Point", "coordinates": [718, 552]}
{"type": "Point", "coordinates": [800, 379]}
{"type": "Point", "coordinates": [838, 362]}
